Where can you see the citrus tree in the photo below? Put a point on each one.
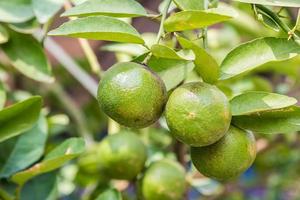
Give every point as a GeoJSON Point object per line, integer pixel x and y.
{"type": "Point", "coordinates": [183, 112]}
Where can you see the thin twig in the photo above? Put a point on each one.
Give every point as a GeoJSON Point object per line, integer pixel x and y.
{"type": "Point", "coordinates": [70, 65]}
{"type": "Point", "coordinates": [5, 195]}
{"type": "Point", "coordinates": [18, 192]}
{"type": "Point", "coordinates": [74, 112]}
{"type": "Point", "coordinates": [87, 49]}
{"type": "Point", "coordinates": [204, 30]}
{"type": "Point", "coordinates": [161, 31]}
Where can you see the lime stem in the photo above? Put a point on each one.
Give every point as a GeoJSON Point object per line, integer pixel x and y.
{"type": "Point", "coordinates": [161, 30]}
{"type": "Point", "coordinates": [204, 30]}
{"type": "Point", "coordinates": [163, 18]}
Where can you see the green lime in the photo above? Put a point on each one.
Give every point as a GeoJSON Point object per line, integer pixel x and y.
{"type": "Point", "coordinates": [198, 114]}
{"type": "Point", "coordinates": [122, 156]}
{"type": "Point", "coordinates": [227, 158]}
{"type": "Point", "coordinates": [132, 95]}
{"type": "Point", "coordinates": [164, 180]}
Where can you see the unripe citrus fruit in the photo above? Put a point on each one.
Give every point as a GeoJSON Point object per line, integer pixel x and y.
{"type": "Point", "coordinates": [164, 180]}
{"type": "Point", "coordinates": [198, 114]}
{"type": "Point", "coordinates": [122, 156]}
{"type": "Point", "coordinates": [132, 95]}
{"type": "Point", "coordinates": [227, 158]}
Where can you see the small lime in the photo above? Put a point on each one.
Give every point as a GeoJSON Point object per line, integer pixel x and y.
{"type": "Point", "coordinates": [227, 158]}
{"type": "Point", "coordinates": [164, 180]}
{"type": "Point", "coordinates": [122, 155]}
{"type": "Point", "coordinates": [198, 114]}
{"type": "Point", "coordinates": [132, 95]}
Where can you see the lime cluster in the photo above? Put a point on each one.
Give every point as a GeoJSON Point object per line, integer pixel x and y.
{"type": "Point", "coordinates": [198, 114]}
{"type": "Point", "coordinates": [123, 156]}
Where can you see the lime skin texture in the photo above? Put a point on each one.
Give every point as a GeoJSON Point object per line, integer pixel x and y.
{"type": "Point", "coordinates": [164, 180]}
{"type": "Point", "coordinates": [198, 114]}
{"type": "Point", "coordinates": [132, 95]}
{"type": "Point", "coordinates": [122, 156]}
{"type": "Point", "coordinates": [228, 158]}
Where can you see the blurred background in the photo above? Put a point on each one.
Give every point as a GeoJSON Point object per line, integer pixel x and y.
{"type": "Point", "coordinates": [73, 111]}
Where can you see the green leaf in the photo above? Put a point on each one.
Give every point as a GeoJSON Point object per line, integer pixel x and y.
{"type": "Point", "coordinates": [19, 117]}
{"type": "Point", "coordinates": [205, 65]}
{"type": "Point", "coordinates": [15, 11]}
{"type": "Point", "coordinates": [172, 72]}
{"type": "Point", "coordinates": [286, 120]}
{"type": "Point", "coordinates": [4, 36]}
{"type": "Point", "coordinates": [6, 148]}
{"type": "Point", "coordinates": [129, 49]}
{"type": "Point", "coordinates": [28, 59]}
{"type": "Point", "coordinates": [268, 22]}
{"type": "Point", "coordinates": [253, 102]}
{"type": "Point", "coordinates": [28, 27]}
{"type": "Point", "coordinates": [162, 51]}
{"type": "Point", "coordinates": [195, 19]}
{"type": "Point", "coordinates": [190, 4]}
{"type": "Point", "coordinates": [27, 150]}
{"type": "Point", "coordinates": [113, 8]}
{"type": "Point", "coordinates": [248, 26]}
{"type": "Point", "coordinates": [110, 194]}
{"type": "Point", "coordinates": [44, 10]}
{"type": "Point", "coordinates": [289, 68]}
{"type": "Point", "coordinates": [253, 54]}
{"type": "Point", "coordinates": [65, 152]}
{"type": "Point", "coordinates": [42, 187]}
{"type": "Point", "coordinates": [99, 28]}
{"type": "Point", "coordinates": [2, 96]}
{"type": "Point", "coordinates": [284, 3]}
{"type": "Point", "coordinates": [246, 84]}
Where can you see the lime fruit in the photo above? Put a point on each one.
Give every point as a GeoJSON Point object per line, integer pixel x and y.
{"type": "Point", "coordinates": [122, 156]}
{"type": "Point", "coordinates": [198, 114]}
{"type": "Point", "coordinates": [227, 158]}
{"type": "Point", "coordinates": [132, 95]}
{"type": "Point", "coordinates": [163, 180]}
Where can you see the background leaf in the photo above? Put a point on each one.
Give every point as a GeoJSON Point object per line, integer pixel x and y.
{"type": "Point", "coordinates": [162, 51]}
{"type": "Point", "coordinates": [195, 19]}
{"type": "Point", "coordinates": [19, 117]}
{"type": "Point", "coordinates": [28, 27]}
{"type": "Point", "coordinates": [4, 36]}
{"type": "Point", "coordinates": [2, 96]}
{"type": "Point", "coordinates": [286, 120]}
{"type": "Point", "coordinates": [110, 194]}
{"type": "Point", "coordinates": [190, 4]}
{"type": "Point", "coordinates": [65, 152]}
{"type": "Point", "coordinates": [41, 187]}
{"type": "Point", "coordinates": [28, 59]}
{"type": "Point", "coordinates": [113, 8]}
{"type": "Point", "coordinates": [256, 101]}
{"type": "Point", "coordinates": [99, 28]}
{"type": "Point", "coordinates": [44, 10]}
{"type": "Point", "coordinates": [124, 48]}
{"type": "Point", "coordinates": [15, 11]}
{"type": "Point", "coordinates": [172, 72]}
{"type": "Point", "coordinates": [285, 3]}
{"type": "Point", "coordinates": [205, 65]}
{"type": "Point", "coordinates": [255, 53]}
{"type": "Point", "coordinates": [27, 150]}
